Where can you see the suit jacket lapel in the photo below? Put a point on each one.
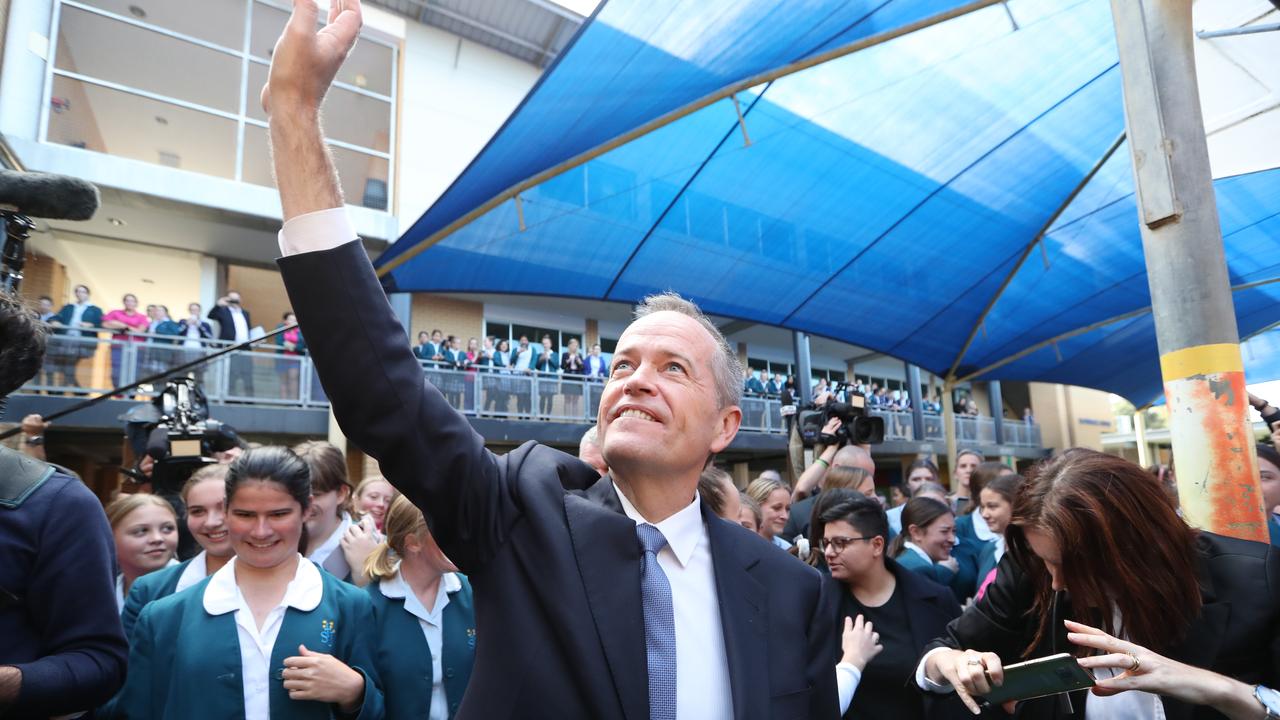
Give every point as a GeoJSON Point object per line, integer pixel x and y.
{"type": "Point", "coordinates": [743, 615]}
{"type": "Point", "coordinates": [919, 597]}
{"type": "Point", "coordinates": [608, 555]}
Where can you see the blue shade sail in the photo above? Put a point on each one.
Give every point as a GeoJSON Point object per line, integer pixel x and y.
{"type": "Point", "coordinates": [892, 198]}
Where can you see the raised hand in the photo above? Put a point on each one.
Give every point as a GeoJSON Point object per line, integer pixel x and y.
{"type": "Point", "coordinates": [306, 59]}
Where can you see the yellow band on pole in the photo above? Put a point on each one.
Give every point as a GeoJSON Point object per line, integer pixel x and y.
{"type": "Point", "coordinates": [1201, 360]}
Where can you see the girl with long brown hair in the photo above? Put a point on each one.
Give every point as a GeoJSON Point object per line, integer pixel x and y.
{"type": "Point", "coordinates": [1093, 539]}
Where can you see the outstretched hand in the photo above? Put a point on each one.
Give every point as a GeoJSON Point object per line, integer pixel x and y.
{"type": "Point", "coordinates": [306, 59]}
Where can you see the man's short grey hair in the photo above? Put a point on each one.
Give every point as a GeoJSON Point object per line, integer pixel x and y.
{"type": "Point", "coordinates": [589, 437]}
{"type": "Point", "coordinates": [929, 487]}
{"type": "Point", "coordinates": [726, 366]}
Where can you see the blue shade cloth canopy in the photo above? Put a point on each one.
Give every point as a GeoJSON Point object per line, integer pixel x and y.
{"type": "Point", "coordinates": [957, 197]}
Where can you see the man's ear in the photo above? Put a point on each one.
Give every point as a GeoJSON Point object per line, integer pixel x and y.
{"type": "Point", "coordinates": [727, 428]}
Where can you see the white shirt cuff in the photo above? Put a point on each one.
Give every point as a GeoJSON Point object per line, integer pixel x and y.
{"type": "Point", "coordinates": [847, 679]}
{"type": "Point", "coordinates": [922, 679]}
{"type": "Point", "coordinates": [315, 231]}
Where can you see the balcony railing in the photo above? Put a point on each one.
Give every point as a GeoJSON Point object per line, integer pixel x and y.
{"type": "Point", "coordinates": [93, 365]}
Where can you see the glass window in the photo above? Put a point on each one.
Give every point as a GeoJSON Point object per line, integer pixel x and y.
{"type": "Point", "coordinates": [90, 44]}
{"type": "Point", "coordinates": [96, 118]}
{"type": "Point", "coordinates": [368, 67]}
{"type": "Point", "coordinates": [257, 157]}
{"type": "Point", "coordinates": [608, 345]}
{"type": "Point", "coordinates": [501, 331]}
{"type": "Point", "coordinates": [268, 22]}
{"type": "Point", "coordinates": [348, 116]}
{"type": "Point", "coordinates": [217, 21]}
{"type": "Point", "coordinates": [364, 178]}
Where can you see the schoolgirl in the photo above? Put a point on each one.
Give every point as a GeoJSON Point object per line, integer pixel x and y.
{"type": "Point", "coordinates": [266, 636]}
{"type": "Point", "coordinates": [145, 528]}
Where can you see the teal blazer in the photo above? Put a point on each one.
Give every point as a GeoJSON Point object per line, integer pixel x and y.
{"type": "Point", "coordinates": [403, 659]}
{"type": "Point", "coordinates": [912, 561]}
{"type": "Point", "coordinates": [968, 552]}
{"type": "Point", "coordinates": [185, 663]}
{"type": "Point", "coordinates": [152, 586]}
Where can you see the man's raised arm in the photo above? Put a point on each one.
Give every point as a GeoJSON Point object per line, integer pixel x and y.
{"type": "Point", "coordinates": [374, 383]}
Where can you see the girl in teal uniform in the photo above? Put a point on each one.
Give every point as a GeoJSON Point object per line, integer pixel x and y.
{"type": "Point", "coordinates": [145, 529]}
{"type": "Point", "coordinates": [928, 535]}
{"type": "Point", "coordinates": [268, 635]}
{"type": "Point", "coordinates": [425, 621]}
{"type": "Point", "coordinates": [204, 496]}
{"type": "Point", "coordinates": [975, 541]}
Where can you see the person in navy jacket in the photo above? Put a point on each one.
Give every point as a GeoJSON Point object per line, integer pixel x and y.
{"type": "Point", "coordinates": [426, 623]}
{"type": "Point", "coordinates": [622, 596]}
{"type": "Point", "coordinates": [61, 646]}
{"type": "Point", "coordinates": [269, 635]}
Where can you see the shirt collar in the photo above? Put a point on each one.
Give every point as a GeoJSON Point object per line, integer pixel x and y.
{"type": "Point", "coordinates": [327, 548]}
{"type": "Point", "coordinates": [684, 530]}
{"type": "Point", "coordinates": [194, 572]}
{"type": "Point", "coordinates": [222, 595]}
{"type": "Point", "coordinates": [981, 528]}
{"type": "Point", "coordinates": [917, 550]}
{"type": "Point", "coordinates": [397, 588]}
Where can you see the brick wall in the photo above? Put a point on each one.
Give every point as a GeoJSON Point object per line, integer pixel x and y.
{"type": "Point", "coordinates": [453, 317]}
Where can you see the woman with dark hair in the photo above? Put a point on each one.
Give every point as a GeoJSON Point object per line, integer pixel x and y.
{"type": "Point", "coordinates": [995, 503]}
{"type": "Point", "coordinates": [974, 539]}
{"type": "Point", "coordinates": [329, 515]}
{"type": "Point", "coordinates": [267, 635]}
{"type": "Point", "coordinates": [919, 472]}
{"type": "Point", "coordinates": [1102, 529]}
{"type": "Point", "coordinates": [928, 534]}
{"type": "Point", "coordinates": [1269, 473]}
{"type": "Point", "coordinates": [904, 609]}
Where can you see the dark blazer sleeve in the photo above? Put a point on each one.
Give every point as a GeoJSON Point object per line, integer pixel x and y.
{"type": "Point", "coordinates": [425, 448]}
{"type": "Point", "coordinates": [998, 622]}
{"type": "Point", "coordinates": [824, 702]}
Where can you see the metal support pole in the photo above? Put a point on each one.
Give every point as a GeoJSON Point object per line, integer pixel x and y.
{"type": "Point", "coordinates": [1187, 272]}
{"type": "Point", "coordinates": [997, 409]}
{"type": "Point", "coordinates": [803, 370]}
{"type": "Point", "coordinates": [1140, 435]}
{"type": "Point", "coordinates": [949, 429]}
{"type": "Point", "coordinates": [917, 402]}
{"type": "Point", "coordinates": [402, 305]}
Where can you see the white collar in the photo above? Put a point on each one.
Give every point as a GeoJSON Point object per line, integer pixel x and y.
{"type": "Point", "coordinates": [327, 548]}
{"type": "Point", "coordinates": [981, 528]}
{"type": "Point", "coordinates": [917, 550]}
{"type": "Point", "coordinates": [222, 594]}
{"type": "Point", "coordinates": [194, 572]}
{"type": "Point", "coordinates": [683, 530]}
{"type": "Point", "coordinates": [396, 587]}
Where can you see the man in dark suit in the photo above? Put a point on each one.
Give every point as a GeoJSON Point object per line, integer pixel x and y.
{"type": "Point", "coordinates": [614, 597]}
{"type": "Point", "coordinates": [233, 326]}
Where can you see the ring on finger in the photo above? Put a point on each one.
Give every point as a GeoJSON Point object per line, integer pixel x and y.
{"type": "Point", "coordinates": [1136, 663]}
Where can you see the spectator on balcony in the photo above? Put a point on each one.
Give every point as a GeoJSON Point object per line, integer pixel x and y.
{"type": "Point", "coordinates": [160, 355]}
{"type": "Point", "coordinates": [436, 350]}
{"type": "Point", "coordinates": [75, 320]}
{"type": "Point", "coordinates": [423, 349]}
{"type": "Point", "coordinates": [233, 326]}
{"type": "Point", "coordinates": [751, 382]}
{"type": "Point", "coordinates": [497, 391]}
{"type": "Point", "coordinates": [453, 385]}
{"type": "Point", "coordinates": [195, 333]}
{"type": "Point", "coordinates": [1028, 417]}
{"type": "Point", "coordinates": [47, 315]}
{"type": "Point", "coordinates": [484, 356]}
{"type": "Point", "coordinates": [129, 325]}
{"type": "Point", "coordinates": [547, 363]}
{"type": "Point", "coordinates": [597, 368]}
{"type": "Point", "coordinates": [574, 367]}
{"type": "Point", "coordinates": [45, 309]}
{"type": "Point", "coordinates": [291, 346]}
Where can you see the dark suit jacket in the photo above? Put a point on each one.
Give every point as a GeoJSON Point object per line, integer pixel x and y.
{"type": "Point", "coordinates": [930, 607]}
{"type": "Point", "coordinates": [1237, 633]}
{"type": "Point", "coordinates": [227, 326]}
{"type": "Point", "coordinates": [556, 573]}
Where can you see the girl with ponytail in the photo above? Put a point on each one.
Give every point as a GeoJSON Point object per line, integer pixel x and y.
{"type": "Point", "coordinates": [425, 621]}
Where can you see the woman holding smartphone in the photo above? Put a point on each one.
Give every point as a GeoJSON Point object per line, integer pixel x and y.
{"type": "Point", "coordinates": [266, 636]}
{"type": "Point", "coordinates": [1102, 529]}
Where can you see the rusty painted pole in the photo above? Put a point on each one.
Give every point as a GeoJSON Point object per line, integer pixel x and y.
{"type": "Point", "coordinates": [1186, 268]}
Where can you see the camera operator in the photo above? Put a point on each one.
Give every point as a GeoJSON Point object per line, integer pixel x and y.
{"type": "Point", "coordinates": [63, 649]}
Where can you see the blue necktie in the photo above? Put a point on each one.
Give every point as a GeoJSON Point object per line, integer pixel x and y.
{"type": "Point", "coordinates": [659, 626]}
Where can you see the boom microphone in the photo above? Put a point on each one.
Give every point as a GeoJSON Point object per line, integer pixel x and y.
{"type": "Point", "coordinates": [48, 196]}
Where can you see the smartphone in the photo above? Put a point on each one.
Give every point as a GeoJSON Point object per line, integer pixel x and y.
{"type": "Point", "coordinates": [1040, 677]}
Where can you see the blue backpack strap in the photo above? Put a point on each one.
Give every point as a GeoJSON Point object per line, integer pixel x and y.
{"type": "Point", "coordinates": [20, 476]}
